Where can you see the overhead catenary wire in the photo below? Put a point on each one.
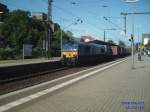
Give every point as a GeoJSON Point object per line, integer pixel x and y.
{"type": "Point", "coordinates": [90, 12]}
{"type": "Point", "coordinates": [74, 15]}
{"type": "Point", "coordinates": [66, 11]}
{"type": "Point", "coordinates": [105, 18]}
{"type": "Point", "coordinates": [77, 17]}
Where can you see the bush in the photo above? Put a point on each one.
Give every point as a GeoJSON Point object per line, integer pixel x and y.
{"type": "Point", "coordinates": [6, 53]}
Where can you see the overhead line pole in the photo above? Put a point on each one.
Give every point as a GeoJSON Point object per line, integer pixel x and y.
{"type": "Point", "coordinates": [132, 35]}
{"type": "Point", "coordinates": [104, 36]}
{"type": "Point", "coordinates": [125, 24]}
{"type": "Point", "coordinates": [49, 29]}
{"type": "Point", "coordinates": [49, 10]}
{"type": "Point", "coordinates": [135, 13]}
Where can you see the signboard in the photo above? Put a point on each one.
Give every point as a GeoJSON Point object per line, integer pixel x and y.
{"type": "Point", "coordinates": [52, 27]}
{"type": "Point", "coordinates": [27, 49]}
{"type": "Point", "coordinates": [146, 40]}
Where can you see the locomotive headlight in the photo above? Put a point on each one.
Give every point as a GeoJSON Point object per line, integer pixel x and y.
{"type": "Point", "coordinates": [75, 54]}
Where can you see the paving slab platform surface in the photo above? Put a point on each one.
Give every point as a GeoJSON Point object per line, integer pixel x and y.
{"type": "Point", "coordinates": [117, 89]}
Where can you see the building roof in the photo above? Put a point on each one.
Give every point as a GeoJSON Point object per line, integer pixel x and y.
{"type": "Point", "coordinates": [39, 15]}
{"type": "Point", "coordinates": [3, 8]}
{"type": "Point", "coordinates": [86, 38]}
{"type": "Point", "coordinates": [102, 42]}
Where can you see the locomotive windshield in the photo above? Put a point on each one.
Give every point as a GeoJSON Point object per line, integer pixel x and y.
{"type": "Point", "coordinates": [70, 46]}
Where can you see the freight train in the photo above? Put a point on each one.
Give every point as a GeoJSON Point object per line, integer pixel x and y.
{"type": "Point", "coordinates": [75, 52]}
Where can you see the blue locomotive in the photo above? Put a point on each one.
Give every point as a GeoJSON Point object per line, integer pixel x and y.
{"type": "Point", "coordinates": [75, 52]}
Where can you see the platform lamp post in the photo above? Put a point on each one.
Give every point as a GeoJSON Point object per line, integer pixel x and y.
{"type": "Point", "coordinates": [132, 35]}
{"type": "Point", "coordinates": [49, 28]}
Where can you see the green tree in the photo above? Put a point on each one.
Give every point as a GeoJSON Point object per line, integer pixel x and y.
{"type": "Point", "coordinates": [19, 28]}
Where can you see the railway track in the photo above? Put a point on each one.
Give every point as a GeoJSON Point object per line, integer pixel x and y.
{"type": "Point", "coordinates": [16, 83]}
{"type": "Point", "coordinates": [30, 75]}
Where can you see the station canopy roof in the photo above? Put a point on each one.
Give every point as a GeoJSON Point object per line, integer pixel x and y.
{"type": "Point", "coordinates": [102, 42]}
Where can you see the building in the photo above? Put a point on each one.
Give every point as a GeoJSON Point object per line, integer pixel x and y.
{"type": "Point", "coordinates": [39, 15]}
{"type": "Point", "coordinates": [86, 38]}
{"type": "Point", "coordinates": [145, 38]}
{"type": "Point", "coordinates": [146, 41]}
{"type": "Point", "coordinates": [3, 10]}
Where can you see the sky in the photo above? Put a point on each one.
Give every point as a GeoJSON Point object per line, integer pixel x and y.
{"type": "Point", "coordinates": [91, 12]}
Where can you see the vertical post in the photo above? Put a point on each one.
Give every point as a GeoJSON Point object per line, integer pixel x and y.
{"type": "Point", "coordinates": [61, 41]}
{"type": "Point", "coordinates": [0, 17]}
{"type": "Point", "coordinates": [132, 45]}
{"type": "Point", "coordinates": [133, 41]}
{"type": "Point", "coordinates": [49, 20]}
{"type": "Point", "coordinates": [132, 54]}
{"type": "Point", "coordinates": [49, 10]}
{"type": "Point", "coordinates": [125, 23]}
{"type": "Point", "coordinates": [23, 52]}
{"type": "Point", "coordinates": [138, 42]}
{"type": "Point", "coordinates": [125, 26]}
{"type": "Point", "coordinates": [104, 35]}
{"type": "Point", "coordinates": [46, 42]}
{"type": "Point", "coordinates": [49, 50]}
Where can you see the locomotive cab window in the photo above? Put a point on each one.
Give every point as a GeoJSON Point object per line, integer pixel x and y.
{"type": "Point", "coordinates": [70, 47]}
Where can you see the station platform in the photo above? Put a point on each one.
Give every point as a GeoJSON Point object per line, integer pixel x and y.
{"type": "Point", "coordinates": [116, 89]}
{"type": "Point", "coordinates": [9, 63]}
